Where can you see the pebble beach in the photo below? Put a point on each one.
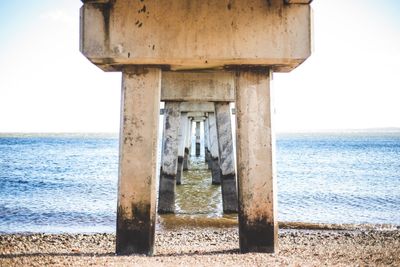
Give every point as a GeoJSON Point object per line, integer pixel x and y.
{"type": "Point", "coordinates": [206, 247]}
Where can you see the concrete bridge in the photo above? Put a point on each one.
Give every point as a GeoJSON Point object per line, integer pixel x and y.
{"type": "Point", "coordinates": [207, 51]}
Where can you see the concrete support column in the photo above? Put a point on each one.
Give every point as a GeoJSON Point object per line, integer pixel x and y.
{"type": "Point", "coordinates": [214, 159]}
{"type": "Point", "coordinates": [140, 105]}
{"type": "Point", "coordinates": [206, 141]}
{"type": "Point", "coordinates": [198, 145]}
{"type": "Point", "coordinates": [191, 135]}
{"type": "Point", "coordinates": [169, 158]}
{"type": "Point", "coordinates": [258, 226]}
{"type": "Point", "coordinates": [181, 149]}
{"type": "Point", "coordinates": [226, 157]}
{"type": "Point", "coordinates": [188, 141]}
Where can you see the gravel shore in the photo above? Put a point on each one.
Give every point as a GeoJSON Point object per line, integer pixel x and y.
{"type": "Point", "coordinates": [205, 247]}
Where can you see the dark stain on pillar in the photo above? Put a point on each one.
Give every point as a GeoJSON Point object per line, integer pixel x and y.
{"type": "Point", "coordinates": [215, 171]}
{"type": "Point", "coordinates": [256, 235]}
{"type": "Point", "coordinates": [209, 160]}
{"type": "Point", "coordinates": [166, 193]}
{"type": "Point", "coordinates": [105, 9]}
{"type": "Point", "coordinates": [168, 112]}
{"type": "Point", "coordinates": [142, 10]}
{"type": "Point", "coordinates": [206, 155]}
{"type": "Point", "coordinates": [229, 193]}
{"type": "Point", "coordinates": [179, 172]}
{"type": "Point", "coordinates": [135, 235]}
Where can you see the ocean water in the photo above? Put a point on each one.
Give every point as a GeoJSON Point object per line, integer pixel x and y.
{"type": "Point", "coordinates": [68, 183]}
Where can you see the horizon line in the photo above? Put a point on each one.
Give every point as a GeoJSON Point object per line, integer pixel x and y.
{"type": "Point", "coordinates": [338, 130]}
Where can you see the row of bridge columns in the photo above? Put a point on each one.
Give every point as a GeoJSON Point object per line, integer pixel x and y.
{"type": "Point", "coordinates": [177, 140]}
{"type": "Point", "coordinates": [254, 199]}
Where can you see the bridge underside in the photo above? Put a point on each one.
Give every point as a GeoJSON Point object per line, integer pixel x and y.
{"type": "Point", "coordinates": [217, 51]}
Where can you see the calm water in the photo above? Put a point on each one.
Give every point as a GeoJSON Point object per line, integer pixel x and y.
{"type": "Point", "coordinates": [67, 183]}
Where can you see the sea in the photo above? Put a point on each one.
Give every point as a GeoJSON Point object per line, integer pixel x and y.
{"type": "Point", "coordinates": [67, 183]}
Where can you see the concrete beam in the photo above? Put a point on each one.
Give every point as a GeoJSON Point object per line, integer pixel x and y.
{"type": "Point", "coordinates": [199, 119]}
{"type": "Point", "coordinates": [203, 107]}
{"type": "Point", "coordinates": [304, 2]}
{"type": "Point", "coordinates": [255, 148]}
{"type": "Point", "coordinates": [195, 114]}
{"type": "Point", "coordinates": [95, 1]}
{"type": "Point", "coordinates": [207, 34]}
{"type": "Point", "coordinates": [197, 86]}
{"type": "Point", "coordinates": [197, 107]}
{"type": "Point", "coordinates": [137, 161]}
{"type": "Point", "coordinates": [169, 158]}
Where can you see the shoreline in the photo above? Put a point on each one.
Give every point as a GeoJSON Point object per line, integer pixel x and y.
{"type": "Point", "coordinates": [172, 223]}
{"type": "Point", "coordinates": [206, 246]}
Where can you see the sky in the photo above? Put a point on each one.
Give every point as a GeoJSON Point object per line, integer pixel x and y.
{"type": "Point", "coordinates": [351, 81]}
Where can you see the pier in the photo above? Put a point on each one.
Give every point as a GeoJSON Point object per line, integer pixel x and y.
{"type": "Point", "coordinates": [198, 60]}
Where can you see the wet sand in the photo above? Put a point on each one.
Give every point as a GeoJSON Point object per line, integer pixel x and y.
{"type": "Point", "coordinates": [206, 247]}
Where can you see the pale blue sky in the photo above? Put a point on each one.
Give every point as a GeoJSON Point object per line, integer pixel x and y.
{"type": "Point", "coordinates": [350, 81]}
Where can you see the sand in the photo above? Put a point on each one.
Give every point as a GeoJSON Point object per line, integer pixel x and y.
{"type": "Point", "coordinates": [207, 247]}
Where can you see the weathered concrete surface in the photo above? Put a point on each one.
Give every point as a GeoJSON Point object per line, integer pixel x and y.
{"type": "Point", "coordinates": [258, 228]}
{"type": "Point", "coordinates": [169, 158]}
{"type": "Point", "coordinates": [226, 158]}
{"type": "Point", "coordinates": [137, 160]}
{"type": "Point", "coordinates": [206, 34]}
{"type": "Point", "coordinates": [298, 1]}
{"type": "Point", "coordinates": [197, 138]}
{"type": "Point", "coordinates": [188, 141]}
{"type": "Point", "coordinates": [196, 116]}
{"type": "Point", "coordinates": [215, 169]}
{"type": "Point", "coordinates": [197, 86]}
{"type": "Point", "coordinates": [181, 149]}
{"type": "Point", "coordinates": [203, 107]}
{"type": "Point", "coordinates": [206, 140]}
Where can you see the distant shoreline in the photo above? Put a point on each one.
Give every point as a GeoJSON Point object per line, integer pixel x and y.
{"type": "Point", "coordinates": [389, 130]}
{"type": "Point", "coordinates": [394, 130]}
{"type": "Point", "coordinates": [59, 134]}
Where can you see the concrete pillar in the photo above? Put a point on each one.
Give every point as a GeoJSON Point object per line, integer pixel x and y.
{"type": "Point", "coordinates": [191, 136]}
{"type": "Point", "coordinates": [226, 157]}
{"type": "Point", "coordinates": [215, 170]}
{"type": "Point", "coordinates": [206, 141]}
{"type": "Point", "coordinates": [181, 149]}
{"type": "Point", "coordinates": [198, 138]}
{"type": "Point", "coordinates": [169, 158]}
{"type": "Point", "coordinates": [140, 105]}
{"type": "Point", "coordinates": [188, 141]}
{"type": "Point", "coordinates": [258, 226]}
